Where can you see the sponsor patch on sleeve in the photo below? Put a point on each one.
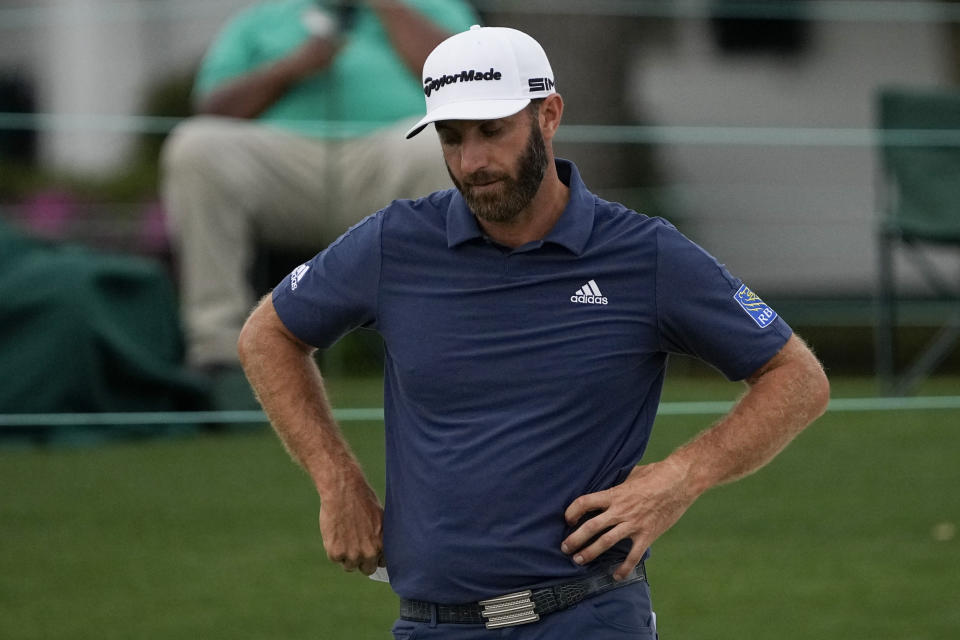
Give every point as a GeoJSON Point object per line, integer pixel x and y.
{"type": "Point", "coordinates": [756, 308]}
{"type": "Point", "coordinates": [297, 276]}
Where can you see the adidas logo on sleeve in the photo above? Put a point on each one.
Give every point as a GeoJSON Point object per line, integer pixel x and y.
{"type": "Point", "coordinates": [297, 276]}
{"type": "Point", "coordinates": [589, 294]}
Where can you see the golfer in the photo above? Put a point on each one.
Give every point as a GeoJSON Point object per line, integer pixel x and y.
{"type": "Point", "coordinates": [527, 325]}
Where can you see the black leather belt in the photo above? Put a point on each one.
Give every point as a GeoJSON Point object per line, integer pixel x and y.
{"type": "Point", "coordinates": [521, 607]}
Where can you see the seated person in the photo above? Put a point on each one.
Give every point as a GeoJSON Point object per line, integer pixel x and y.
{"type": "Point", "coordinates": [301, 108]}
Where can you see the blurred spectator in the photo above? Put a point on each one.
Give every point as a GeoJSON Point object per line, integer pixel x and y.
{"type": "Point", "coordinates": [302, 108]}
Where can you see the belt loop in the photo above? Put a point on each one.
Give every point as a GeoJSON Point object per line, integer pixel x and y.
{"type": "Point", "coordinates": [433, 615]}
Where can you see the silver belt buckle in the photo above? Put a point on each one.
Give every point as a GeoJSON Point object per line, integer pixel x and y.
{"type": "Point", "coordinates": [509, 611]}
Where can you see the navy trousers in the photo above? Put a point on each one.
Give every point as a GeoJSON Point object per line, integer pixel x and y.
{"type": "Point", "coordinates": [621, 614]}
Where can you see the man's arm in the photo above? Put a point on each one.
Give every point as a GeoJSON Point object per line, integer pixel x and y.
{"type": "Point", "coordinates": [412, 34]}
{"type": "Point", "coordinates": [253, 93]}
{"type": "Point", "coordinates": [784, 396]}
{"type": "Point", "coordinates": [282, 371]}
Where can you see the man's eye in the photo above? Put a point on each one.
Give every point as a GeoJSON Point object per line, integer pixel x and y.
{"type": "Point", "coordinates": [490, 131]}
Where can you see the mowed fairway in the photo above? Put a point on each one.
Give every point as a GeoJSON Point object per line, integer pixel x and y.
{"type": "Point", "coordinates": [851, 533]}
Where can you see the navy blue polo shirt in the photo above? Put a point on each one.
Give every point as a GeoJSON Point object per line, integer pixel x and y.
{"type": "Point", "coordinates": [518, 379]}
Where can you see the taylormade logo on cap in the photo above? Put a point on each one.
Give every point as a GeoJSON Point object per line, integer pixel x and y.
{"type": "Point", "coordinates": [483, 73]}
{"type": "Point", "coordinates": [430, 85]}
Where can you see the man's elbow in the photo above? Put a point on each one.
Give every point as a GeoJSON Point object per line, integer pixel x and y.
{"type": "Point", "coordinates": [816, 386]}
{"type": "Point", "coordinates": [254, 332]}
{"type": "Point", "coordinates": [821, 391]}
{"type": "Point", "coordinates": [246, 342]}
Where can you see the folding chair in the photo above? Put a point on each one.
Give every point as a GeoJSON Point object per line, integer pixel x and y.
{"type": "Point", "coordinates": [919, 204]}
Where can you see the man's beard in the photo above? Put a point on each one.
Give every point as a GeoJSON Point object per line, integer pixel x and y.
{"type": "Point", "coordinates": [512, 195]}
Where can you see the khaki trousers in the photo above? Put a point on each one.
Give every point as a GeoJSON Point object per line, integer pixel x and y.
{"type": "Point", "coordinates": [230, 185]}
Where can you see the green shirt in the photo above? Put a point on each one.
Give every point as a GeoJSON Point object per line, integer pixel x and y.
{"type": "Point", "coordinates": [367, 84]}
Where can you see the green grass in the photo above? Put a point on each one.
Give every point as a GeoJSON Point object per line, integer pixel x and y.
{"type": "Point", "coordinates": [216, 537]}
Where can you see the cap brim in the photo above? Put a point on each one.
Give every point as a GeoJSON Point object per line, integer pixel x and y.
{"type": "Point", "coordinates": [471, 110]}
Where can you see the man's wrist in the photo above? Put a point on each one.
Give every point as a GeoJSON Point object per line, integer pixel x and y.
{"type": "Point", "coordinates": [338, 476]}
{"type": "Point", "coordinates": [687, 473]}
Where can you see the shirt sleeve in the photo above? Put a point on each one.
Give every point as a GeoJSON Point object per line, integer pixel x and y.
{"type": "Point", "coordinates": [228, 56]}
{"type": "Point", "coordinates": [705, 312]}
{"type": "Point", "coordinates": [255, 36]}
{"type": "Point", "coordinates": [337, 290]}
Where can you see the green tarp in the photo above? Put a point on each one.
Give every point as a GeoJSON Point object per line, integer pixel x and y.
{"type": "Point", "coordinates": [84, 331]}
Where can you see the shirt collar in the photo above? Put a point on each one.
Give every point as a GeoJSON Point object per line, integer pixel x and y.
{"type": "Point", "coordinates": [572, 229]}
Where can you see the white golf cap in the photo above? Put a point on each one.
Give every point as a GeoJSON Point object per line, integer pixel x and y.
{"type": "Point", "coordinates": [483, 73]}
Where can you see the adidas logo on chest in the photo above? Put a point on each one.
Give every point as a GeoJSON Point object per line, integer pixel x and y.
{"type": "Point", "coordinates": [589, 294]}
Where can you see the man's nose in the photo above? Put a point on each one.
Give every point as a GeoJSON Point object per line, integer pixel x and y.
{"type": "Point", "coordinates": [474, 156]}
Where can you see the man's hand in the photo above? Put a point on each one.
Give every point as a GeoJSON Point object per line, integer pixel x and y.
{"type": "Point", "coordinates": [785, 395]}
{"type": "Point", "coordinates": [313, 56]}
{"type": "Point", "coordinates": [351, 524]}
{"type": "Point", "coordinates": [646, 504]}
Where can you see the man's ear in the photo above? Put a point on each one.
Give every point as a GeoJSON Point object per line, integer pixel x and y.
{"type": "Point", "coordinates": [551, 112]}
